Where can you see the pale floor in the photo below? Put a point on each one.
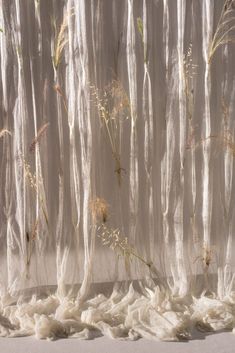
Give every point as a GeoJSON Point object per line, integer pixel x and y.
{"type": "Point", "coordinates": [212, 343]}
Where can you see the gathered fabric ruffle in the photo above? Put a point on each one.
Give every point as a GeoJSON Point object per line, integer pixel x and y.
{"type": "Point", "coordinates": [129, 315]}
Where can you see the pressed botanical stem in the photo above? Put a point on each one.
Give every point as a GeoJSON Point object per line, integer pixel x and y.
{"type": "Point", "coordinates": [35, 186]}
{"type": "Point", "coordinates": [38, 136]}
{"type": "Point", "coordinates": [60, 42]}
{"type": "Point", "coordinates": [112, 238]}
{"type": "Point", "coordinates": [225, 28]}
{"type": "Point", "coordinates": [113, 108]}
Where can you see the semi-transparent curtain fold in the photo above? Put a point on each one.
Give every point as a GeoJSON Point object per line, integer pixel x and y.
{"type": "Point", "coordinates": [116, 168]}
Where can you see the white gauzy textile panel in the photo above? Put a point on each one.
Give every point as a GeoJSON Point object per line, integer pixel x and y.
{"type": "Point", "coordinates": [117, 148]}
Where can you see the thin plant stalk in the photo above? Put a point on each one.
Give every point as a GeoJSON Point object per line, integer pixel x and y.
{"type": "Point", "coordinates": [114, 240]}
{"type": "Point", "coordinates": [30, 237]}
{"type": "Point", "coordinates": [37, 138]}
{"type": "Point", "coordinates": [34, 184]}
{"type": "Point", "coordinates": [113, 106]}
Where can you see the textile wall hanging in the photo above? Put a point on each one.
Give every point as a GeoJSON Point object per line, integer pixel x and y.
{"type": "Point", "coordinates": [117, 168]}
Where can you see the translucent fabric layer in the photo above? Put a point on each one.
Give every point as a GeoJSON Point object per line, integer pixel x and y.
{"type": "Point", "coordinates": [117, 168]}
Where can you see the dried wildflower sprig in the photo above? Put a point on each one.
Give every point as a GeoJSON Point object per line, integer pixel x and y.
{"type": "Point", "coordinates": [189, 71]}
{"type": "Point", "coordinates": [4, 132]}
{"type": "Point", "coordinates": [225, 110]}
{"type": "Point", "coordinates": [59, 45]}
{"type": "Point", "coordinates": [60, 42]}
{"type": "Point", "coordinates": [226, 140]}
{"type": "Point", "coordinates": [35, 185]}
{"type": "Point", "coordinates": [99, 210]}
{"type": "Point", "coordinates": [37, 138]}
{"type": "Point", "coordinates": [206, 256]}
{"type": "Point", "coordinates": [60, 39]}
{"type": "Point", "coordinates": [225, 30]}
{"type": "Point", "coordinates": [113, 107]}
{"type": "Point", "coordinates": [114, 240]}
{"type": "Point", "coordinates": [140, 28]}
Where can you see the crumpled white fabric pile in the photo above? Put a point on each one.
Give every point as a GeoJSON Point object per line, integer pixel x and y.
{"type": "Point", "coordinates": [153, 314]}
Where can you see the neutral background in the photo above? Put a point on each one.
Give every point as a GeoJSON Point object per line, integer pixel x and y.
{"type": "Point", "coordinates": [219, 343]}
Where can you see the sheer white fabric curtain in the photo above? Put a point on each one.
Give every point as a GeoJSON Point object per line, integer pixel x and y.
{"type": "Point", "coordinates": [117, 162]}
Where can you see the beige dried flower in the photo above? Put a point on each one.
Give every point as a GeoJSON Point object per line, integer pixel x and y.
{"type": "Point", "coordinates": [116, 241]}
{"type": "Point", "coordinates": [99, 209]}
{"type": "Point", "coordinates": [4, 132]}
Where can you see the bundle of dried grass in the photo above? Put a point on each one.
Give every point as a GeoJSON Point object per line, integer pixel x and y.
{"type": "Point", "coordinates": [99, 210]}
{"type": "Point", "coordinates": [225, 30]}
{"type": "Point", "coordinates": [113, 239]}
{"type": "Point", "coordinates": [60, 41]}
{"type": "Point", "coordinates": [34, 183]}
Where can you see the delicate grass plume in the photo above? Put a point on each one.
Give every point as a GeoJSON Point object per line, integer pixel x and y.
{"type": "Point", "coordinates": [113, 109]}
{"type": "Point", "coordinates": [34, 183]}
{"type": "Point", "coordinates": [225, 30]}
{"type": "Point", "coordinates": [60, 41]}
{"type": "Point", "coordinates": [189, 71]}
{"type": "Point", "coordinates": [140, 28]}
{"type": "Point", "coordinates": [113, 239]}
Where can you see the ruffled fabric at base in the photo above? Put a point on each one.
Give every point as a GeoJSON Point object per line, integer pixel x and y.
{"type": "Point", "coordinates": [129, 315]}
